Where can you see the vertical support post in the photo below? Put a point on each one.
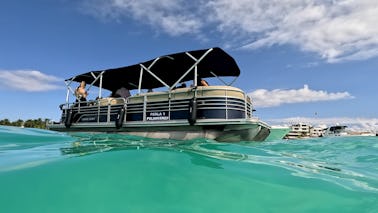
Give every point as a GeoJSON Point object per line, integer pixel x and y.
{"type": "Point", "coordinates": [140, 80]}
{"type": "Point", "coordinates": [98, 110]}
{"type": "Point", "coordinates": [195, 76]}
{"type": "Point", "coordinates": [68, 96]}
{"type": "Point", "coordinates": [67, 102]}
{"type": "Point", "coordinates": [144, 107]}
{"type": "Point", "coordinates": [226, 104]}
{"type": "Point", "coordinates": [99, 99]}
{"type": "Point", "coordinates": [108, 112]}
{"type": "Point", "coordinates": [100, 90]}
{"type": "Point", "coordinates": [169, 105]}
{"type": "Point", "coordinates": [68, 90]}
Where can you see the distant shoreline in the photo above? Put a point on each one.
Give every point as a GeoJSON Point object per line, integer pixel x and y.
{"type": "Point", "coordinates": [29, 123]}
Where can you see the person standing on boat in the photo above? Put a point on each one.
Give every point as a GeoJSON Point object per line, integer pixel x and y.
{"type": "Point", "coordinates": [202, 82]}
{"type": "Point", "coordinates": [80, 92]}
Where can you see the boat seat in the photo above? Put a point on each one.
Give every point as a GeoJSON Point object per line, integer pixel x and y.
{"type": "Point", "coordinates": [110, 101]}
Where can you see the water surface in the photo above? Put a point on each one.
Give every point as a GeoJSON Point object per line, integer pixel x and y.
{"type": "Point", "coordinates": [45, 171]}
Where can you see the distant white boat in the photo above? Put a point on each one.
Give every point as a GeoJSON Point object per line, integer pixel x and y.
{"type": "Point", "coordinates": [299, 131]}
{"type": "Point", "coordinates": [368, 134]}
{"type": "Point", "coordinates": [337, 130]}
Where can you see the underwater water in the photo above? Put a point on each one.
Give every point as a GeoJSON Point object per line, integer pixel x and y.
{"type": "Point", "coordinates": [45, 171]}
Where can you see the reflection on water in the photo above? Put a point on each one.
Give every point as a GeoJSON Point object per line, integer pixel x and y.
{"type": "Point", "coordinates": [298, 160]}
{"type": "Point", "coordinates": [92, 143]}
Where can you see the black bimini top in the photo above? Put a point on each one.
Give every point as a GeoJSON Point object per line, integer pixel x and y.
{"type": "Point", "coordinates": [169, 69]}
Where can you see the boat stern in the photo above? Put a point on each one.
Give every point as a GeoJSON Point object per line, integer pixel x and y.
{"type": "Point", "coordinates": [252, 130]}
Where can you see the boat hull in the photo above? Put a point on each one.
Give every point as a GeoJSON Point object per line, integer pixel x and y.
{"type": "Point", "coordinates": [235, 131]}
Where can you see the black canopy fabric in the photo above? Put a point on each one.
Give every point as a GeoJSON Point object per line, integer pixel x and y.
{"type": "Point", "coordinates": [168, 68]}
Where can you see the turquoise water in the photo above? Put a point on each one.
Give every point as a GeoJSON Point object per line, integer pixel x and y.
{"type": "Point", "coordinates": [44, 171]}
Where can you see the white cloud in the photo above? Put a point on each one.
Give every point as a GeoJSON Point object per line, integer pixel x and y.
{"type": "Point", "coordinates": [272, 98]}
{"type": "Point", "coordinates": [336, 30]}
{"type": "Point", "coordinates": [353, 124]}
{"type": "Point", "coordinates": [171, 16]}
{"type": "Point", "coordinates": [27, 80]}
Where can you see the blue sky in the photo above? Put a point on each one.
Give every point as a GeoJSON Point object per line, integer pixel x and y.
{"type": "Point", "coordinates": [313, 60]}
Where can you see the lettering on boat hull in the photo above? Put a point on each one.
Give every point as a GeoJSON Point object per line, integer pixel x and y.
{"type": "Point", "coordinates": [157, 116]}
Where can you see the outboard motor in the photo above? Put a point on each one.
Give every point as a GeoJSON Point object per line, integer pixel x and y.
{"type": "Point", "coordinates": [192, 111]}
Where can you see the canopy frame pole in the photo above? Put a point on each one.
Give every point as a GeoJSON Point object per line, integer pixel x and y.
{"type": "Point", "coordinates": [69, 82]}
{"type": "Point", "coordinates": [140, 80]}
{"type": "Point", "coordinates": [95, 79]}
{"type": "Point", "coordinates": [67, 95]}
{"type": "Point", "coordinates": [225, 83]}
{"type": "Point", "coordinates": [218, 77]}
{"type": "Point", "coordinates": [233, 81]}
{"type": "Point", "coordinates": [153, 63]}
{"type": "Point", "coordinates": [100, 89]}
{"type": "Point", "coordinates": [155, 76]}
{"type": "Point", "coordinates": [69, 88]}
{"type": "Point", "coordinates": [148, 69]}
{"type": "Point", "coordinates": [197, 61]}
{"type": "Point", "coordinates": [195, 76]}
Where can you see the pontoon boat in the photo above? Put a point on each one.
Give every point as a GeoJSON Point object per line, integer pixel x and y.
{"type": "Point", "coordinates": [221, 112]}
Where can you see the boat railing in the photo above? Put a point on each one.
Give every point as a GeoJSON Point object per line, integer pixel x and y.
{"type": "Point", "coordinates": [208, 98]}
{"type": "Point", "coordinates": [168, 105]}
{"type": "Point", "coordinates": [96, 109]}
